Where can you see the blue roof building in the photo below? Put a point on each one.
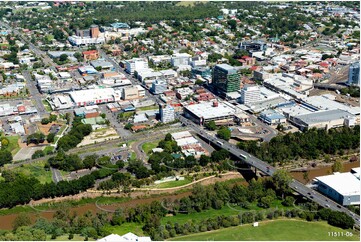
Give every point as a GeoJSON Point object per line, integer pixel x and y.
{"type": "Point", "coordinates": [272, 117]}
{"type": "Point", "coordinates": [120, 26]}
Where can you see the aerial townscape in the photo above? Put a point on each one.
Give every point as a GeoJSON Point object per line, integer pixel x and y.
{"type": "Point", "coordinates": [179, 120]}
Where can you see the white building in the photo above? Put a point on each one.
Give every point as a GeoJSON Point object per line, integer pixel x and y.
{"type": "Point", "coordinates": [167, 113]}
{"type": "Point", "coordinates": [250, 94]}
{"type": "Point", "coordinates": [202, 113]}
{"type": "Point", "coordinates": [77, 40]}
{"type": "Point", "coordinates": [180, 59]}
{"type": "Point", "coordinates": [343, 188]}
{"type": "Point", "coordinates": [159, 86]}
{"type": "Point", "coordinates": [135, 64]}
{"type": "Point", "coordinates": [95, 96]}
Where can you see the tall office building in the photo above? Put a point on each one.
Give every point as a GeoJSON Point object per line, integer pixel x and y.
{"type": "Point", "coordinates": [225, 79]}
{"type": "Point", "coordinates": [354, 74]}
{"type": "Point", "coordinates": [94, 31]}
{"type": "Point", "coordinates": [250, 94]}
{"type": "Point", "coordinates": [167, 113]}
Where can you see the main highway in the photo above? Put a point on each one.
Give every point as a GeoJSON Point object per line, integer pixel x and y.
{"type": "Point", "coordinates": [270, 170]}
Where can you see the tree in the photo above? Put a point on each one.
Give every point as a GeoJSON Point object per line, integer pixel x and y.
{"type": "Point", "coordinates": [38, 154]}
{"type": "Point", "coordinates": [4, 142]}
{"type": "Point", "coordinates": [50, 137]}
{"type": "Point", "coordinates": [63, 57]}
{"type": "Point", "coordinates": [45, 121]}
{"type": "Point", "coordinates": [5, 157]}
{"type": "Point", "coordinates": [224, 133]}
{"type": "Point", "coordinates": [211, 125]}
{"type": "Point", "coordinates": [22, 219]}
{"type": "Point", "coordinates": [265, 202]}
{"type": "Point", "coordinates": [78, 56]}
{"type": "Point", "coordinates": [289, 201]}
{"type": "Point", "coordinates": [337, 166]}
{"type": "Point", "coordinates": [281, 180]}
{"type": "Point", "coordinates": [233, 24]}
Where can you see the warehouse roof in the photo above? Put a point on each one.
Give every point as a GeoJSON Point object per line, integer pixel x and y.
{"type": "Point", "coordinates": [208, 111]}
{"type": "Point", "coordinates": [350, 185]}
{"type": "Point", "coordinates": [324, 116]}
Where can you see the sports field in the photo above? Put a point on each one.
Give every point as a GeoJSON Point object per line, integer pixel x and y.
{"type": "Point", "coordinates": [286, 230]}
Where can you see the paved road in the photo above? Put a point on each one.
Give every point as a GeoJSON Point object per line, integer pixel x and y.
{"type": "Point", "coordinates": [269, 170]}
{"type": "Point", "coordinates": [56, 175]}
{"type": "Point", "coordinates": [271, 132]}
{"type": "Point", "coordinates": [35, 95]}
{"type": "Point", "coordinates": [114, 122]}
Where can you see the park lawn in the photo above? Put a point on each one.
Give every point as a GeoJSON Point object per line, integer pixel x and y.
{"type": "Point", "coordinates": [13, 146]}
{"type": "Point", "coordinates": [286, 230]}
{"type": "Point", "coordinates": [147, 147]}
{"type": "Point", "coordinates": [135, 228]}
{"type": "Point", "coordinates": [48, 149]}
{"type": "Point", "coordinates": [46, 105]}
{"type": "Point", "coordinates": [133, 156]}
{"type": "Point", "coordinates": [153, 107]}
{"type": "Point", "coordinates": [227, 210]}
{"type": "Point", "coordinates": [184, 218]}
{"type": "Point", "coordinates": [36, 170]}
{"type": "Point", "coordinates": [172, 184]}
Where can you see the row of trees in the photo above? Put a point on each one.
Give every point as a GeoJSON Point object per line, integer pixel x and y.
{"type": "Point", "coordinates": [309, 145]}
{"type": "Point", "coordinates": [75, 135]}
{"type": "Point", "coordinates": [5, 157]}
{"type": "Point", "coordinates": [18, 189]}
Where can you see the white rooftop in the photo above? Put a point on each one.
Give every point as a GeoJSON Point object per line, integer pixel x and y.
{"type": "Point", "coordinates": [181, 135]}
{"type": "Point", "coordinates": [208, 111]}
{"type": "Point", "coordinates": [344, 183]}
{"type": "Point", "coordinates": [327, 102]}
{"type": "Point", "coordinates": [187, 141]}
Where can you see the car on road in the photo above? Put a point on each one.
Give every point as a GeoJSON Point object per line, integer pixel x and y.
{"type": "Point", "coordinates": [339, 206]}
{"type": "Point", "coordinates": [311, 196]}
{"type": "Point", "coordinates": [327, 206]}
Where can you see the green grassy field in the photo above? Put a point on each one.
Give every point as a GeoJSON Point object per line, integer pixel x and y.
{"type": "Point", "coordinates": [36, 170]}
{"type": "Point", "coordinates": [148, 108]}
{"type": "Point", "coordinates": [13, 146]}
{"type": "Point", "coordinates": [46, 105]}
{"type": "Point", "coordinates": [125, 228]}
{"type": "Point", "coordinates": [227, 210]}
{"type": "Point", "coordinates": [147, 147]}
{"type": "Point", "coordinates": [48, 149]}
{"type": "Point", "coordinates": [172, 184]}
{"type": "Point", "coordinates": [286, 230]}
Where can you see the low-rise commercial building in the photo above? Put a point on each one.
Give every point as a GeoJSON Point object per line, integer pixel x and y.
{"type": "Point", "coordinates": [343, 188]}
{"type": "Point", "coordinates": [272, 117]}
{"type": "Point", "coordinates": [94, 96]}
{"type": "Point", "coordinates": [324, 119]}
{"type": "Point", "coordinates": [210, 111]}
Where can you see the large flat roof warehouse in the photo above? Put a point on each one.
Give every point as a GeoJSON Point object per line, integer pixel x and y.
{"type": "Point", "coordinates": [208, 110]}
{"type": "Point", "coordinates": [350, 185]}
{"type": "Point", "coordinates": [324, 116]}
{"type": "Point", "coordinates": [327, 102]}
{"type": "Point", "coordinates": [91, 95]}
